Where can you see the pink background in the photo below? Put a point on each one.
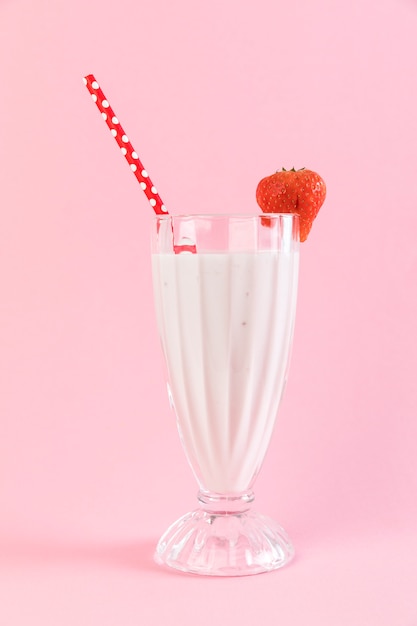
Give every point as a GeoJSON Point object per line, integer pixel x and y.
{"type": "Point", "coordinates": [214, 95]}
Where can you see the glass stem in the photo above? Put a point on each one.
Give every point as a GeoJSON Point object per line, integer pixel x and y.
{"type": "Point", "coordinates": [225, 504]}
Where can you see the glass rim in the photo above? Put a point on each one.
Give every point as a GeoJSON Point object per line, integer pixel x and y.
{"type": "Point", "coordinates": [256, 216]}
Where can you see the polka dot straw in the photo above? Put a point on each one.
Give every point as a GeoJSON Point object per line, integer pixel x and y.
{"type": "Point", "coordinates": [124, 144]}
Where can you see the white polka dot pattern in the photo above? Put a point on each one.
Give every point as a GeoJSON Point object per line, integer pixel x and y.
{"type": "Point", "coordinates": [124, 144]}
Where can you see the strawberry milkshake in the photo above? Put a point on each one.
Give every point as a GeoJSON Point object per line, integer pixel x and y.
{"type": "Point", "coordinates": [225, 295]}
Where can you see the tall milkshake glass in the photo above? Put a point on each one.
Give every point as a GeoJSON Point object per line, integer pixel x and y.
{"type": "Point", "coordinates": [225, 290]}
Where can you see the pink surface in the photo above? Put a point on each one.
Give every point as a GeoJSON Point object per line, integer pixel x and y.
{"type": "Point", "coordinates": [215, 95]}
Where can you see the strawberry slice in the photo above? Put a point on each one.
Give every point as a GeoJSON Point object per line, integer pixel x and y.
{"type": "Point", "coordinates": [293, 191]}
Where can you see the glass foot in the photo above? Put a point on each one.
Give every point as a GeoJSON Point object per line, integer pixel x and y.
{"type": "Point", "coordinates": [224, 544]}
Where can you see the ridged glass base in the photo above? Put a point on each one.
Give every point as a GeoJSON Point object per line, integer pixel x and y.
{"type": "Point", "coordinates": [224, 544]}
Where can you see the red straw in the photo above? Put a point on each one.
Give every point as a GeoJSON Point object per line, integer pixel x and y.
{"type": "Point", "coordinates": [124, 144]}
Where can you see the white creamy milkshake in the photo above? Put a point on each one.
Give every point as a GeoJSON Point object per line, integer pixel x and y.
{"type": "Point", "coordinates": [226, 325]}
